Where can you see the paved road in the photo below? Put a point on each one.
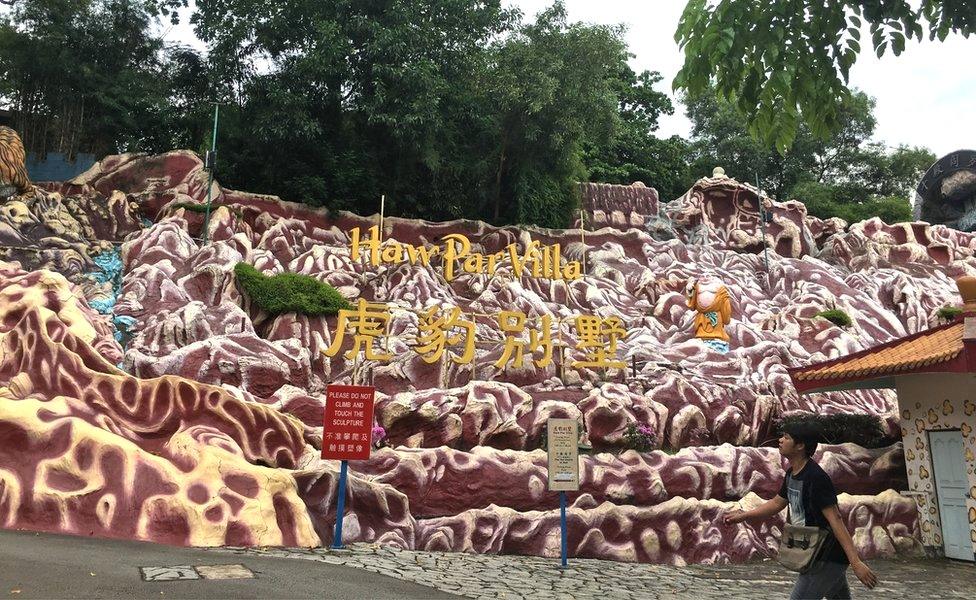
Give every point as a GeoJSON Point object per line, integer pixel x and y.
{"type": "Point", "coordinates": [53, 566]}
{"type": "Point", "coordinates": [493, 577]}
{"type": "Point", "coordinates": [44, 565]}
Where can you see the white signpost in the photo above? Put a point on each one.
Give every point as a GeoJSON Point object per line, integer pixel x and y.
{"type": "Point", "coordinates": [563, 442]}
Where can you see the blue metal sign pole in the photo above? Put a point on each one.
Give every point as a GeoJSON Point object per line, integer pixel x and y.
{"type": "Point", "coordinates": [340, 508]}
{"type": "Point", "coordinates": [562, 524]}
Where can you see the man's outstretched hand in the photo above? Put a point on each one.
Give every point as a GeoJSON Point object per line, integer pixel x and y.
{"type": "Point", "coordinates": [865, 574]}
{"type": "Point", "coordinates": [734, 516]}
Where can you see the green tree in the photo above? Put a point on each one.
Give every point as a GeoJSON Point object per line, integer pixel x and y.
{"type": "Point", "coordinates": [843, 150]}
{"type": "Point", "coordinates": [894, 172]}
{"type": "Point", "coordinates": [875, 182]}
{"type": "Point", "coordinates": [631, 156]}
{"type": "Point", "coordinates": [182, 116]}
{"type": "Point", "coordinates": [850, 202]}
{"type": "Point", "coordinates": [633, 152]}
{"type": "Point", "coordinates": [355, 99]}
{"type": "Point", "coordinates": [786, 62]}
{"type": "Point", "coordinates": [450, 108]}
{"type": "Point", "coordinates": [844, 176]}
{"type": "Point", "coordinates": [80, 75]}
{"type": "Point", "coordinates": [556, 88]}
{"type": "Point", "coordinates": [720, 137]}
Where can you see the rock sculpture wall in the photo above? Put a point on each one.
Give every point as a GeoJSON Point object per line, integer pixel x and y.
{"type": "Point", "coordinates": [210, 432]}
{"type": "Point", "coordinates": [618, 206]}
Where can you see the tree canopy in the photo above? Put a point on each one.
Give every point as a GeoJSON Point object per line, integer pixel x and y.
{"type": "Point", "coordinates": [81, 74]}
{"type": "Point", "coordinates": [633, 152]}
{"type": "Point", "coordinates": [845, 175]}
{"type": "Point", "coordinates": [781, 63]}
{"type": "Point", "coordinates": [449, 108]}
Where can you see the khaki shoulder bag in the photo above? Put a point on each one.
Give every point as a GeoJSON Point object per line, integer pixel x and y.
{"type": "Point", "coordinates": [800, 546]}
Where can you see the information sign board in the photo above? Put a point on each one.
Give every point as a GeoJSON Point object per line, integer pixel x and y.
{"type": "Point", "coordinates": [563, 439]}
{"type": "Point", "coordinates": [348, 422]}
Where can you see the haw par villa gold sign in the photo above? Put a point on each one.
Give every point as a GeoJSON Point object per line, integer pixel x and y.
{"type": "Point", "coordinates": [538, 261]}
{"type": "Point", "coordinates": [443, 329]}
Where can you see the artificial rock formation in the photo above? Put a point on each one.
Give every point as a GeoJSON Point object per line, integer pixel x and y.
{"type": "Point", "coordinates": [208, 378]}
{"type": "Point", "coordinates": [443, 481]}
{"type": "Point", "coordinates": [678, 531]}
{"type": "Point", "coordinates": [619, 206]}
{"type": "Point", "coordinates": [88, 449]}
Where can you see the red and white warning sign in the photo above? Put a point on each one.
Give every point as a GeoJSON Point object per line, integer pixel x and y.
{"type": "Point", "coordinates": [348, 422]}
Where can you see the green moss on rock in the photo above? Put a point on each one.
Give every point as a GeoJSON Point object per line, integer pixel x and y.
{"type": "Point", "coordinates": [836, 316]}
{"type": "Point", "coordinates": [289, 293]}
{"type": "Point", "coordinates": [949, 313]}
{"type": "Point", "coordinates": [202, 208]}
{"type": "Point", "coordinates": [192, 207]}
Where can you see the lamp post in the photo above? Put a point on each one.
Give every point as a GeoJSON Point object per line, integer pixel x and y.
{"type": "Point", "coordinates": [762, 224]}
{"type": "Point", "coordinates": [209, 163]}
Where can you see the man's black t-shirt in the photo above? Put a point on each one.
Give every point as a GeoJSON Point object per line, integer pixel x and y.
{"type": "Point", "coordinates": [808, 493]}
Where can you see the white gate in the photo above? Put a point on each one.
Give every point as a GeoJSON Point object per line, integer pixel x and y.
{"type": "Point", "coordinates": [951, 485]}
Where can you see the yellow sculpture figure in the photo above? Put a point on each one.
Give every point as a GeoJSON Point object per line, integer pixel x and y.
{"type": "Point", "coordinates": [512, 324]}
{"type": "Point", "coordinates": [369, 321]}
{"type": "Point", "coordinates": [598, 340]}
{"type": "Point", "coordinates": [710, 298]}
{"type": "Point", "coordinates": [13, 172]}
{"type": "Point", "coordinates": [433, 338]}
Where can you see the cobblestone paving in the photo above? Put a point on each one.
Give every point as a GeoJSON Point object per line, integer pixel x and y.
{"type": "Point", "coordinates": [513, 577]}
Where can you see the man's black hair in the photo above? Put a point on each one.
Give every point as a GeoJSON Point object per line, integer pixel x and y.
{"type": "Point", "coordinates": [804, 432]}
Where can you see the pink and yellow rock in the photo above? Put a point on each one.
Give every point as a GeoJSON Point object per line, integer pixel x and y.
{"type": "Point", "coordinates": [90, 450]}
{"type": "Point", "coordinates": [211, 434]}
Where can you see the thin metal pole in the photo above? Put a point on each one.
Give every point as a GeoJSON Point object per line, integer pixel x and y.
{"type": "Point", "coordinates": [562, 527]}
{"type": "Point", "coordinates": [213, 155]}
{"type": "Point", "coordinates": [583, 237]}
{"type": "Point", "coordinates": [382, 212]}
{"type": "Point", "coordinates": [340, 508]}
{"type": "Point", "coordinates": [762, 221]}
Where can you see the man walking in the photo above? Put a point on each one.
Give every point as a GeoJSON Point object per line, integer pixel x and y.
{"type": "Point", "coordinates": [812, 501]}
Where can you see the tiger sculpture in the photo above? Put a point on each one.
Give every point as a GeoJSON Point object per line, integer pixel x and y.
{"type": "Point", "coordinates": [13, 170]}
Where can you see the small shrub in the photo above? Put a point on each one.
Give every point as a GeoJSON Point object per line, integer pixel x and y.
{"type": "Point", "coordinates": [202, 208]}
{"type": "Point", "coordinates": [289, 293]}
{"type": "Point", "coordinates": [379, 436]}
{"type": "Point", "coordinates": [864, 430]}
{"type": "Point", "coordinates": [640, 437]}
{"type": "Point", "coordinates": [949, 313]}
{"type": "Point", "coordinates": [836, 316]}
{"type": "Point", "coordinates": [193, 207]}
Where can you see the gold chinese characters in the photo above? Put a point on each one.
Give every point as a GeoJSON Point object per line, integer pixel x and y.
{"type": "Point", "coordinates": [369, 321]}
{"type": "Point", "coordinates": [447, 331]}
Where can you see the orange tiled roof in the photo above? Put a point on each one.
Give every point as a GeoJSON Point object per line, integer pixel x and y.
{"type": "Point", "coordinates": [932, 347]}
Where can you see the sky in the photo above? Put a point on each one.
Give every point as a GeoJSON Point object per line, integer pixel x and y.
{"type": "Point", "coordinates": [925, 97]}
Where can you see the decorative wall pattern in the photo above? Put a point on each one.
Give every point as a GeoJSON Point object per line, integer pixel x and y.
{"type": "Point", "coordinates": [932, 403]}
